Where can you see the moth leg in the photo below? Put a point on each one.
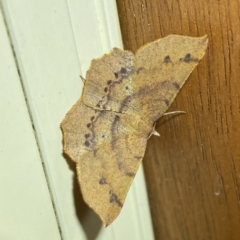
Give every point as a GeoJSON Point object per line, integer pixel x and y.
{"type": "Point", "coordinates": [154, 132]}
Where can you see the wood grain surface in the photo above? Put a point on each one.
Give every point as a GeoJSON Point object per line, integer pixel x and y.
{"type": "Point", "coordinates": [193, 169]}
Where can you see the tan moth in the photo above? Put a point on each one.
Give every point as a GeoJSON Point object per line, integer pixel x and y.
{"type": "Point", "coordinates": [124, 94]}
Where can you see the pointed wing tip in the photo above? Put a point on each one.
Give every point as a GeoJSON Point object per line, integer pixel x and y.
{"type": "Point", "coordinates": [105, 224]}
{"type": "Point", "coordinates": [106, 221]}
{"type": "Point", "coordinates": [205, 40]}
{"type": "Point", "coordinates": [107, 217]}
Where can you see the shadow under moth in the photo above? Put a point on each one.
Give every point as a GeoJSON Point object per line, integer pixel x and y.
{"type": "Point", "coordinates": [106, 131]}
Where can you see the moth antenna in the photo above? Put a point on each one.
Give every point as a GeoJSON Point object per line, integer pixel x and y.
{"type": "Point", "coordinates": [83, 79]}
{"type": "Point", "coordinates": [174, 112]}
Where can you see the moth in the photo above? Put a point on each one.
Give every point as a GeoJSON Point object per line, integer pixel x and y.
{"type": "Point", "coordinates": [106, 131]}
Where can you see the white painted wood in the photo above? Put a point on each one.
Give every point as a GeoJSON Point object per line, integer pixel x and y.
{"type": "Point", "coordinates": [26, 210]}
{"type": "Point", "coordinates": [55, 41]}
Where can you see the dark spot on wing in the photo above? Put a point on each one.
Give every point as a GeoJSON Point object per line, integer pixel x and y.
{"type": "Point", "coordinates": [92, 118]}
{"type": "Point", "coordinates": [123, 70]}
{"type": "Point", "coordinates": [109, 81]}
{"type": "Point", "coordinates": [188, 58]}
{"type": "Point", "coordinates": [98, 105]}
{"type": "Point", "coordinates": [126, 87]}
{"type": "Point", "coordinates": [139, 70]}
{"type": "Point", "coordinates": [125, 102]}
{"type": "Point", "coordinates": [105, 89]}
{"type": "Point", "coordinates": [167, 59]}
{"type": "Point", "coordinates": [176, 85]}
{"type": "Point", "coordinates": [114, 198]}
{"type": "Point", "coordinates": [166, 102]}
{"type": "Point", "coordinates": [87, 135]}
{"type": "Point", "coordinates": [87, 143]}
{"type": "Point", "coordinates": [102, 181]}
{"type": "Point", "coordinates": [89, 125]}
{"type": "Point", "coordinates": [165, 83]}
{"type": "Point", "coordinates": [122, 74]}
{"type": "Point", "coordinates": [121, 165]}
{"type": "Point", "coordinates": [129, 174]}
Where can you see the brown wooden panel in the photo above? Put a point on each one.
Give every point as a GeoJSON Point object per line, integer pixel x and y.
{"type": "Point", "coordinates": [193, 169]}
